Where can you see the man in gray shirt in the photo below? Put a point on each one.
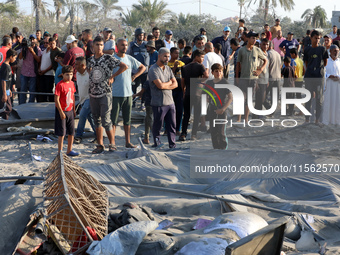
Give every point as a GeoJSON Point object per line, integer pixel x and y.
{"type": "Point", "coordinates": [274, 67]}
{"type": "Point", "coordinates": [162, 82]}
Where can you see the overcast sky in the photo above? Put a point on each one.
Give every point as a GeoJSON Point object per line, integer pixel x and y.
{"type": "Point", "coordinates": [217, 8]}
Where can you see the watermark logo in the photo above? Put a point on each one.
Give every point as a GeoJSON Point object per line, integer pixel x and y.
{"type": "Point", "coordinates": [239, 101]}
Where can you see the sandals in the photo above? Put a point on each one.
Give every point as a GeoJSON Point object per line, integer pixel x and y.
{"type": "Point", "coordinates": [98, 150]}
{"type": "Point", "coordinates": [112, 147]}
{"type": "Point", "coordinates": [78, 140]}
{"type": "Point", "coordinates": [130, 145]}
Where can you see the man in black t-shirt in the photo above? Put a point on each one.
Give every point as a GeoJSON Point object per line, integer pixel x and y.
{"type": "Point", "coordinates": [315, 58]}
{"type": "Point", "coordinates": [193, 70]}
{"type": "Point", "coordinates": [6, 81]}
{"type": "Point", "coordinates": [159, 43]}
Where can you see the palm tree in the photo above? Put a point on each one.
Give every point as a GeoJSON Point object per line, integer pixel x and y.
{"type": "Point", "coordinates": [88, 9]}
{"type": "Point", "coordinates": [10, 8]}
{"type": "Point", "coordinates": [71, 6]}
{"type": "Point", "coordinates": [107, 5]}
{"type": "Point", "coordinates": [59, 6]}
{"type": "Point", "coordinates": [316, 17]}
{"type": "Point", "coordinates": [133, 18]}
{"type": "Point", "coordinates": [287, 5]}
{"type": "Point", "coordinates": [152, 11]}
{"type": "Point", "coordinates": [241, 3]}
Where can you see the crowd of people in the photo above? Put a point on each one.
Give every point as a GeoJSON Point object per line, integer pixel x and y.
{"type": "Point", "coordinates": [107, 72]}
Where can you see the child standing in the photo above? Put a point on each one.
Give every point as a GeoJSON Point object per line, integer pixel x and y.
{"type": "Point", "coordinates": [288, 73]}
{"type": "Point", "coordinates": [6, 81]}
{"type": "Point", "coordinates": [65, 110]}
{"type": "Point", "coordinates": [218, 133]}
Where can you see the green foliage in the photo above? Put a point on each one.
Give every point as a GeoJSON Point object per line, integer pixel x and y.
{"type": "Point", "coordinates": [316, 17]}
{"type": "Point", "coordinates": [151, 12]}
{"type": "Point", "coordinates": [106, 6]}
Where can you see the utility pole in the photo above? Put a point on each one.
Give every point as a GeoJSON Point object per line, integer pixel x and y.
{"type": "Point", "coordinates": [200, 2]}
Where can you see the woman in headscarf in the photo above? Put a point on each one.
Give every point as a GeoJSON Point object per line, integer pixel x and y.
{"type": "Point", "coordinates": [331, 105]}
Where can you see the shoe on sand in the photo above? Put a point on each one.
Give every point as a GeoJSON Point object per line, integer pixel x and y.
{"type": "Point", "coordinates": [73, 154]}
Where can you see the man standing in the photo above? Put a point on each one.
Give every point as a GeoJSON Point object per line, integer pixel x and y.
{"type": "Point", "coordinates": [249, 68]}
{"type": "Point", "coordinates": [101, 67]}
{"type": "Point", "coordinates": [333, 34]}
{"type": "Point", "coordinates": [88, 43]}
{"type": "Point", "coordinates": [162, 82]}
{"type": "Point", "coordinates": [195, 69]}
{"type": "Point", "coordinates": [289, 44]}
{"type": "Point", "coordinates": [122, 91]}
{"type": "Point", "coordinates": [158, 42]}
{"type": "Point", "coordinates": [153, 54]}
{"type": "Point", "coordinates": [168, 43]}
{"type": "Point", "coordinates": [274, 70]}
{"type": "Point", "coordinates": [46, 72]}
{"type": "Point", "coordinates": [315, 58]}
{"type": "Point", "coordinates": [276, 43]}
{"type": "Point", "coordinates": [109, 45]}
{"type": "Point", "coordinates": [276, 27]}
{"type": "Point", "coordinates": [6, 45]}
{"type": "Point", "coordinates": [268, 33]}
{"type": "Point", "coordinates": [210, 58]}
{"type": "Point", "coordinates": [73, 52]}
{"type": "Point", "coordinates": [38, 36]}
{"type": "Point", "coordinates": [137, 49]}
{"type": "Point", "coordinates": [226, 49]}
{"type": "Point", "coordinates": [327, 42]}
{"type": "Point", "coordinates": [306, 40]}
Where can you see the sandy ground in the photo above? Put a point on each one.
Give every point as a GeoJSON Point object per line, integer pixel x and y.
{"type": "Point", "coordinates": [319, 142]}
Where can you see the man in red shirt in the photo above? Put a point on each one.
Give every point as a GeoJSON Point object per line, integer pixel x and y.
{"type": "Point", "coordinates": [268, 33]}
{"type": "Point", "coordinates": [73, 52]}
{"type": "Point", "coordinates": [6, 45]}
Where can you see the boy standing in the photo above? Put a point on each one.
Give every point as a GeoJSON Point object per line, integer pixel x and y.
{"type": "Point", "coordinates": [218, 132]}
{"type": "Point", "coordinates": [83, 82]}
{"type": "Point", "coordinates": [288, 74]}
{"type": "Point", "coordinates": [6, 80]}
{"type": "Point", "coordinates": [65, 110]}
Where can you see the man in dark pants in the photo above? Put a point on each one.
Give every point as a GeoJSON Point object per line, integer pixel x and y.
{"type": "Point", "coordinates": [162, 82]}
{"type": "Point", "coordinates": [137, 49]}
{"type": "Point", "coordinates": [274, 70]}
{"type": "Point", "coordinates": [193, 70]}
{"type": "Point", "coordinates": [315, 58]}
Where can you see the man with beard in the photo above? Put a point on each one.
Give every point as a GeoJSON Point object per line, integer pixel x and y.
{"type": "Point", "coordinates": [162, 82]}
{"type": "Point", "coordinates": [224, 40]}
{"type": "Point", "coordinates": [122, 91]}
{"type": "Point", "coordinates": [158, 42]}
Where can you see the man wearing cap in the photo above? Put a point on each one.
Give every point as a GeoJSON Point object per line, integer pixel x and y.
{"type": "Point", "coordinates": [17, 45]}
{"type": "Point", "coordinates": [159, 43]}
{"type": "Point", "coordinates": [137, 49]}
{"type": "Point", "coordinates": [168, 43]}
{"type": "Point", "coordinates": [122, 91]}
{"type": "Point", "coordinates": [109, 45]}
{"type": "Point", "coordinates": [289, 44]}
{"type": "Point", "coordinates": [151, 48]}
{"type": "Point", "coordinates": [333, 34]}
{"type": "Point", "coordinates": [276, 27]}
{"type": "Point", "coordinates": [249, 68]}
{"type": "Point", "coordinates": [72, 53]}
{"type": "Point", "coordinates": [224, 40]}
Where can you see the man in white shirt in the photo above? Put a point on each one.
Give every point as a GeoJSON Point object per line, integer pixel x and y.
{"type": "Point", "coordinates": [334, 34]}
{"type": "Point", "coordinates": [168, 43]}
{"type": "Point", "coordinates": [210, 58]}
{"type": "Point", "coordinates": [46, 71]}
